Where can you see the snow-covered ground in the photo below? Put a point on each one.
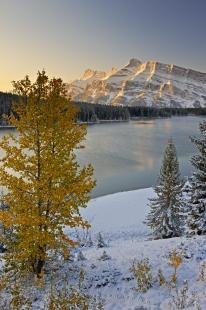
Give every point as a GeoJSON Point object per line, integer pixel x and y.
{"type": "Point", "coordinates": [119, 218]}
{"type": "Point", "coordinates": [120, 215]}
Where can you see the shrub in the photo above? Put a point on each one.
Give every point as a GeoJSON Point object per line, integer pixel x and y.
{"type": "Point", "coordinates": [175, 260]}
{"type": "Point", "coordinates": [73, 298]}
{"type": "Point", "coordinates": [142, 273]}
{"type": "Point", "coordinates": [202, 272]}
{"type": "Point", "coordinates": [183, 299]}
{"type": "Point", "coordinates": [18, 298]}
{"type": "Point", "coordinates": [161, 278]}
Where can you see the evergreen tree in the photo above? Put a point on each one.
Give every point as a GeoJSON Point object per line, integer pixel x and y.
{"type": "Point", "coordinates": [80, 256]}
{"type": "Point", "coordinates": [166, 218]}
{"type": "Point", "coordinates": [104, 256]}
{"type": "Point", "coordinates": [89, 242]}
{"type": "Point", "coordinates": [45, 187]}
{"type": "Point", "coordinates": [196, 222]}
{"type": "Point", "coordinates": [100, 241]}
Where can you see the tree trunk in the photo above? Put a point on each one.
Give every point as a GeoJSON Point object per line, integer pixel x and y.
{"type": "Point", "coordinates": [37, 267]}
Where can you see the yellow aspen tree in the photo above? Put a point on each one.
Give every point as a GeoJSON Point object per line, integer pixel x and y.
{"type": "Point", "coordinates": [44, 185]}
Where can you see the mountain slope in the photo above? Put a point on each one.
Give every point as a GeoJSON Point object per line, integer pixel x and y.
{"type": "Point", "coordinates": [148, 84]}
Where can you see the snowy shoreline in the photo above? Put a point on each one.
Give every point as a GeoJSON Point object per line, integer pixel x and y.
{"type": "Point", "coordinates": [101, 211]}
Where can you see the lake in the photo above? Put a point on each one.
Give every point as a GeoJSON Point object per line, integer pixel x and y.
{"type": "Point", "coordinates": [127, 156]}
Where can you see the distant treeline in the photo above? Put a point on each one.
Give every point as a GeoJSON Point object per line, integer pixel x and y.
{"type": "Point", "coordinates": [90, 112]}
{"type": "Point", "coordinates": [6, 100]}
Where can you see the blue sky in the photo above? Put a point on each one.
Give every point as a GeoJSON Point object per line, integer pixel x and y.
{"type": "Point", "coordinates": [67, 36]}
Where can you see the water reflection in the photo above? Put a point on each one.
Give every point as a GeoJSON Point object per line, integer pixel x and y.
{"type": "Point", "coordinates": [128, 156]}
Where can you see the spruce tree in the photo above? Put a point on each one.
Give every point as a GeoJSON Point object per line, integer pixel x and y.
{"type": "Point", "coordinates": [100, 241]}
{"type": "Point", "coordinates": [196, 221]}
{"type": "Point", "coordinates": [45, 186]}
{"type": "Point", "coordinates": [166, 216]}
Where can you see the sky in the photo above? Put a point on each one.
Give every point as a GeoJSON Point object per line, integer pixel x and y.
{"type": "Point", "coordinates": [65, 37]}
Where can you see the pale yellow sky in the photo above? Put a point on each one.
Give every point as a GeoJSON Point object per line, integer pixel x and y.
{"type": "Point", "coordinates": [65, 37]}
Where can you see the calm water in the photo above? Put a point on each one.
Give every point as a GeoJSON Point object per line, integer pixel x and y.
{"type": "Point", "coordinates": [127, 156]}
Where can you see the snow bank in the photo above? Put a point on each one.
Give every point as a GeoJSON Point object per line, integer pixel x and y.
{"type": "Point", "coordinates": [119, 214]}
{"type": "Point", "coordinates": [119, 217]}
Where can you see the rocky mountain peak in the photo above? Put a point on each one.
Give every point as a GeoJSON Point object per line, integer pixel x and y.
{"type": "Point", "coordinates": [133, 62]}
{"type": "Point", "coordinates": [88, 73]}
{"type": "Point", "coordinates": [149, 83]}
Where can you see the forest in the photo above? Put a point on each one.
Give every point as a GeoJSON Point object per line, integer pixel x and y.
{"type": "Point", "coordinates": [93, 113]}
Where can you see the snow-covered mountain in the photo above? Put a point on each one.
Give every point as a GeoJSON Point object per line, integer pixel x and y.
{"type": "Point", "coordinates": [151, 84]}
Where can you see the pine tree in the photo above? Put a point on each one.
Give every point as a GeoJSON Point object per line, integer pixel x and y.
{"type": "Point", "coordinates": [196, 221]}
{"type": "Point", "coordinates": [45, 186]}
{"type": "Point", "coordinates": [104, 256]}
{"type": "Point", "coordinates": [166, 217]}
{"type": "Point", "coordinates": [80, 256]}
{"type": "Point", "coordinates": [89, 242]}
{"type": "Point", "coordinates": [100, 241]}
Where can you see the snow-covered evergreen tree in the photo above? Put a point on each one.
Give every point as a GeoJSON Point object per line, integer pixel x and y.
{"type": "Point", "coordinates": [89, 242]}
{"type": "Point", "coordinates": [196, 221]}
{"type": "Point", "coordinates": [80, 256]}
{"type": "Point", "coordinates": [166, 216]}
{"type": "Point", "coordinates": [104, 256]}
{"type": "Point", "coordinates": [100, 241]}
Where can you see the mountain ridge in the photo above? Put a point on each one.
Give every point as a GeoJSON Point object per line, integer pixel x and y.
{"type": "Point", "coordinates": [149, 83]}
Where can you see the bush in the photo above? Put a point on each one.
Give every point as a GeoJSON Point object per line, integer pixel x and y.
{"type": "Point", "coordinates": [175, 260]}
{"type": "Point", "coordinates": [73, 298]}
{"type": "Point", "coordinates": [202, 272]}
{"type": "Point", "coordinates": [161, 278]}
{"type": "Point", "coordinates": [183, 299]}
{"type": "Point", "coordinates": [142, 273]}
